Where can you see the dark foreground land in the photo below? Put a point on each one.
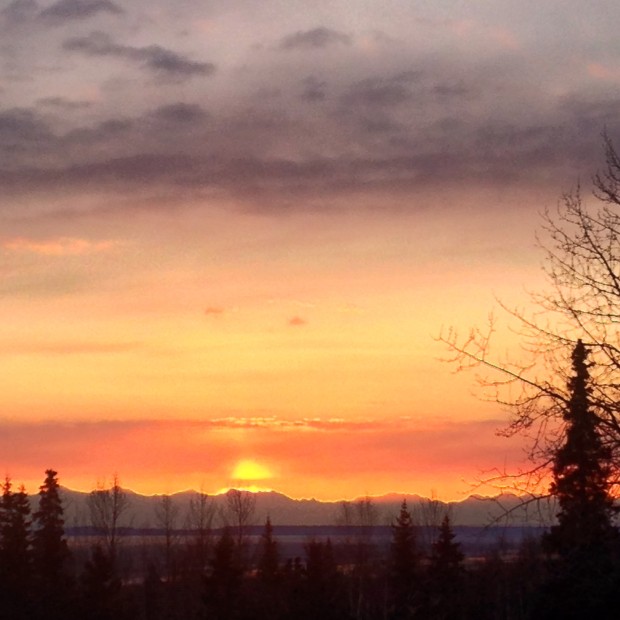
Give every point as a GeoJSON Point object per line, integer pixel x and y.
{"type": "Point", "coordinates": [297, 573]}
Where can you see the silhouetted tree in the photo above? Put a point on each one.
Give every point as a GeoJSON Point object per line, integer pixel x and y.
{"type": "Point", "coordinates": [446, 556]}
{"type": "Point", "coordinates": [106, 507]}
{"type": "Point", "coordinates": [322, 595]}
{"type": "Point", "coordinates": [403, 566]}
{"type": "Point", "coordinates": [360, 516]}
{"type": "Point", "coordinates": [581, 472]}
{"type": "Point", "coordinates": [15, 557]}
{"type": "Point", "coordinates": [153, 594]}
{"type": "Point", "coordinates": [15, 532]}
{"type": "Point", "coordinates": [166, 515]}
{"type": "Point", "coordinates": [49, 543]}
{"type": "Point", "coordinates": [101, 587]}
{"type": "Point", "coordinates": [50, 551]}
{"type": "Point", "coordinates": [445, 575]}
{"type": "Point", "coordinates": [223, 581]}
{"type": "Point", "coordinates": [293, 584]}
{"type": "Point", "coordinates": [200, 520]}
{"type": "Point", "coordinates": [240, 507]}
{"type": "Point", "coordinates": [269, 599]}
{"type": "Point", "coordinates": [268, 559]}
{"type": "Point", "coordinates": [584, 538]}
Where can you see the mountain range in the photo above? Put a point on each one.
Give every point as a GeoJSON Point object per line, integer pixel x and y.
{"type": "Point", "coordinates": [142, 510]}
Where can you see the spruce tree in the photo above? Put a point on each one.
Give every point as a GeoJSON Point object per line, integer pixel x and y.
{"type": "Point", "coordinates": [584, 542]}
{"type": "Point", "coordinates": [269, 596]}
{"type": "Point", "coordinates": [49, 543]}
{"type": "Point", "coordinates": [403, 565]}
{"type": "Point", "coordinates": [268, 561]}
{"type": "Point", "coordinates": [445, 576]}
{"type": "Point", "coordinates": [15, 564]}
{"type": "Point", "coordinates": [446, 556]}
{"type": "Point", "coordinates": [53, 594]}
{"type": "Point", "coordinates": [321, 595]}
{"type": "Point", "coordinates": [15, 540]}
{"type": "Point", "coordinates": [581, 472]}
{"type": "Point", "coordinates": [223, 583]}
{"type": "Point", "coordinates": [101, 587]}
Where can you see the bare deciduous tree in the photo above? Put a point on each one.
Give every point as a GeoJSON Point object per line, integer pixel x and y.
{"type": "Point", "coordinates": [166, 515]}
{"type": "Point", "coordinates": [359, 549]}
{"type": "Point", "coordinates": [240, 507]}
{"type": "Point", "coordinates": [200, 522]}
{"type": "Point", "coordinates": [106, 506]}
{"type": "Point", "coordinates": [581, 244]}
{"type": "Point", "coordinates": [428, 514]}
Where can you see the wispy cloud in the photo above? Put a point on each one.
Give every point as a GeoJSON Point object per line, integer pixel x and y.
{"type": "Point", "coordinates": [80, 9]}
{"type": "Point", "coordinates": [20, 11]}
{"type": "Point", "coordinates": [62, 246]}
{"type": "Point", "coordinates": [604, 72]}
{"type": "Point", "coordinates": [314, 39]}
{"type": "Point", "coordinates": [180, 113]}
{"type": "Point", "coordinates": [62, 103]}
{"type": "Point", "coordinates": [152, 57]}
{"type": "Point", "coordinates": [214, 310]}
{"type": "Point", "coordinates": [383, 90]}
{"type": "Point", "coordinates": [69, 348]}
{"type": "Point", "coordinates": [505, 37]}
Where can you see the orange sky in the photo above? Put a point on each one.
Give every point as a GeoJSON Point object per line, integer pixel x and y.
{"type": "Point", "coordinates": [327, 459]}
{"type": "Point", "coordinates": [307, 347]}
{"type": "Point", "coordinates": [230, 232]}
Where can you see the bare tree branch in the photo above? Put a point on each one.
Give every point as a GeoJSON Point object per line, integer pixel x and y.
{"type": "Point", "coordinates": [581, 245]}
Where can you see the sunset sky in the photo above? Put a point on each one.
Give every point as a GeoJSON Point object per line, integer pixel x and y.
{"type": "Point", "coordinates": [231, 231]}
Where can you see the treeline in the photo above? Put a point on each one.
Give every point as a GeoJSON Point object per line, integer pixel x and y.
{"type": "Point", "coordinates": [224, 575]}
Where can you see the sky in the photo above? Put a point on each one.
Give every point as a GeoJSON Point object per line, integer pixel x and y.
{"type": "Point", "coordinates": [231, 231]}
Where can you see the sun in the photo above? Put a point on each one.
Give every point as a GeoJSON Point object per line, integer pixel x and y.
{"type": "Point", "coordinates": [250, 470]}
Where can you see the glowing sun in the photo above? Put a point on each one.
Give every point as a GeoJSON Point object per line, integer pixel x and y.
{"type": "Point", "coordinates": [250, 470]}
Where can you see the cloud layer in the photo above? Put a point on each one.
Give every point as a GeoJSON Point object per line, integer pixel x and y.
{"type": "Point", "coordinates": [298, 107]}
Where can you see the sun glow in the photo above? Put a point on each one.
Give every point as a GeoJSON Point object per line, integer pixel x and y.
{"type": "Point", "coordinates": [250, 470]}
{"type": "Point", "coordinates": [252, 488]}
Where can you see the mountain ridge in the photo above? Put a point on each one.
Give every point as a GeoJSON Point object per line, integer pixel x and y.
{"type": "Point", "coordinates": [505, 508]}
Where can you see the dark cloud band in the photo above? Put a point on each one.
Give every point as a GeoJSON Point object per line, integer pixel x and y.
{"type": "Point", "coordinates": [80, 9]}
{"type": "Point", "coordinates": [153, 57]}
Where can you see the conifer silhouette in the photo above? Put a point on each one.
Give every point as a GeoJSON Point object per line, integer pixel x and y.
{"type": "Point", "coordinates": [581, 471]}
{"type": "Point", "coordinates": [584, 541]}
{"type": "Point", "coordinates": [49, 543]}
{"type": "Point", "coordinates": [403, 565]}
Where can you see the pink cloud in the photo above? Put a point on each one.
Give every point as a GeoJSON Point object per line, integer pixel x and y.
{"type": "Point", "coordinates": [297, 321]}
{"type": "Point", "coordinates": [506, 38]}
{"type": "Point", "coordinates": [602, 72]}
{"type": "Point", "coordinates": [469, 28]}
{"type": "Point", "coordinates": [61, 246]}
{"type": "Point", "coordinates": [69, 348]}
{"type": "Point", "coordinates": [214, 311]}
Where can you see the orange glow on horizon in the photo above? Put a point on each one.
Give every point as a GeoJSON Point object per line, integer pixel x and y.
{"type": "Point", "coordinates": [326, 459]}
{"type": "Point", "coordinates": [252, 488]}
